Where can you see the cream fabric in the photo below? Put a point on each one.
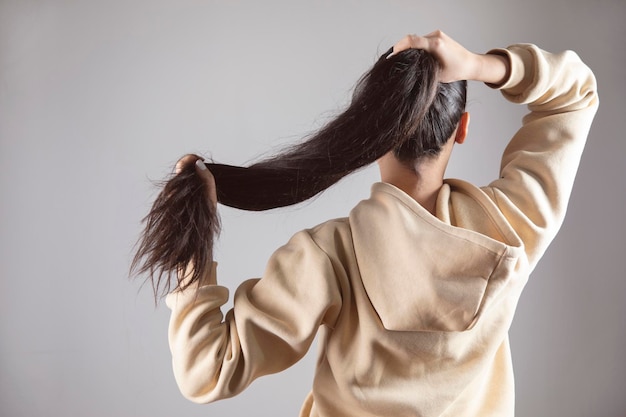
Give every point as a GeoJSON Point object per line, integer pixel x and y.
{"type": "Point", "coordinates": [413, 309]}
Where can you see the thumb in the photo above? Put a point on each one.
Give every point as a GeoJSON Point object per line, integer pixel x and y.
{"type": "Point", "coordinates": [209, 180]}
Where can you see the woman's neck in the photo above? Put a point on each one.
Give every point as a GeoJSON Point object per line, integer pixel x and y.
{"type": "Point", "coordinates": [422, 183]}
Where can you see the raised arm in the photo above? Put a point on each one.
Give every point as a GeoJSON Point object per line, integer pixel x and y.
{"type": "Point", "coordinates": [540, 162]}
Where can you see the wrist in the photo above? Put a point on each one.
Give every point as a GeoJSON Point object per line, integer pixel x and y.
{"type": "Point", "coordinates": [494, 69]}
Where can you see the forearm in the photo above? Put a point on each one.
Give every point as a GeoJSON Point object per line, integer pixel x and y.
{"type": "Point", "coordinates": [200, 341]}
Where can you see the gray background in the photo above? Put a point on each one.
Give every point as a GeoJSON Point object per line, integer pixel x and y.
{"type": "Point", "coordinates": [97, 99]}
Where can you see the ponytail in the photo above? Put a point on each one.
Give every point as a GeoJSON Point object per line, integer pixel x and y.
{"type": "Point", "coordinates": [399, 106]}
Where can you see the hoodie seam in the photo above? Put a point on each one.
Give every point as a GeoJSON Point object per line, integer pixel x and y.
{"type": "Point", "coordinates": [312, 234]}
{"type": "Point", "coordinates": [482, 191]}
{"type": "Point", "coordinates": [480, 311]}
{"type": "Point", "coordinates": [447, 232]}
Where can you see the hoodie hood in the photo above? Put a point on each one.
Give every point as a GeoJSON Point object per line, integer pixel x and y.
{"type": "Point", "coordinates": [423, 274]}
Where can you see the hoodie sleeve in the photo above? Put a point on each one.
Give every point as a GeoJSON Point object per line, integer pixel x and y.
{"type": "Point", "coordinates": [271, 326]}
{"type": "Point", "coordinates": [540, 162]}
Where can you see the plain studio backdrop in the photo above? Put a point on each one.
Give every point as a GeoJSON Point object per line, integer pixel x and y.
{"type": "Point", "coordinates": [98, 99]}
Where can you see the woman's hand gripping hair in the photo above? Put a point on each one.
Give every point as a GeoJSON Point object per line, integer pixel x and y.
{"type": "Point", "coordinates": [456, 62]}
{"type": "Point", "coordinates": [203, 172]}
{"type": "Point", "coordinates": [176, 245]}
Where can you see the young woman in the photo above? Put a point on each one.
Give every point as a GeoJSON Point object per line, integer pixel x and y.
{"type": "Point", "coordinates": [415, 290]}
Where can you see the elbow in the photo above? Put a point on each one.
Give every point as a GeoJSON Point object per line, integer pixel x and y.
{"type": "Point", "coordinates": [198, 370]}
{"type": "Point", "coordinates": [208, 373]}
{"type": "Point", "coordinates": [195, 386]}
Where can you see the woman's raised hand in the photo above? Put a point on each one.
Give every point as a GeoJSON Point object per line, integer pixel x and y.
{"type": "Point", "coordinates": [457, 63]}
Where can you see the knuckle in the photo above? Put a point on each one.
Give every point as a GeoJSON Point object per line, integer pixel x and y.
{"type": "Point", "coordinates": [436, 42]}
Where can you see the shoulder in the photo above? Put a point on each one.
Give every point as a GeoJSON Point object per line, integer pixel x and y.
{"type": "Point", "coordinates": [463, 204]}
{"type": "Point", "coordinates": [327, 243]}
{"type": "Point", "coordinates": [331, 235]}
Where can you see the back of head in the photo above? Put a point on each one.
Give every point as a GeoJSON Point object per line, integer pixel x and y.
{"type": "Point", "coordinates": [440, 120]}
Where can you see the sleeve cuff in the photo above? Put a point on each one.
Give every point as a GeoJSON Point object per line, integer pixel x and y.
{"type": "Point", "coordinates": [209, 279]}
{"type": "Point", "coordinates": [519, 78]}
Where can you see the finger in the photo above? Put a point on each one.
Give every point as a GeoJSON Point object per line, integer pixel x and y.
{"type": "Point", "coordinates": [419, 42]}
{"type": "Point", "coordinates": [435, 34]}
{"type": "Point", "coordinates": [435, 40]}
{"type": "Point", "coordinates": [204, 172]}
{"type": "Point", "coordinates": [402, 45]}
{"type": "Point", "coordinates": [409, 42]}
{"type": "Point", "coordinates": [208, 178]}
{"type": "Point", "coordinates": [184, 161]}
{"type": "Point", "coordinates": [202, 169]}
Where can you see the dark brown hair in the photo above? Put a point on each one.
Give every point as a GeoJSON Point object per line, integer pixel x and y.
{"type": "Point", "coordinates": [398, 105]}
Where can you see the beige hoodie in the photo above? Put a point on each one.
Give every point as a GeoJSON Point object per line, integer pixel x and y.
{"type": "Point", "coordinates": [413, 309]}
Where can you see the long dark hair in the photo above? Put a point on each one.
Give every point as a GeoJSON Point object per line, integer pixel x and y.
{"type": "Point", "coordinates": [398, 105]}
